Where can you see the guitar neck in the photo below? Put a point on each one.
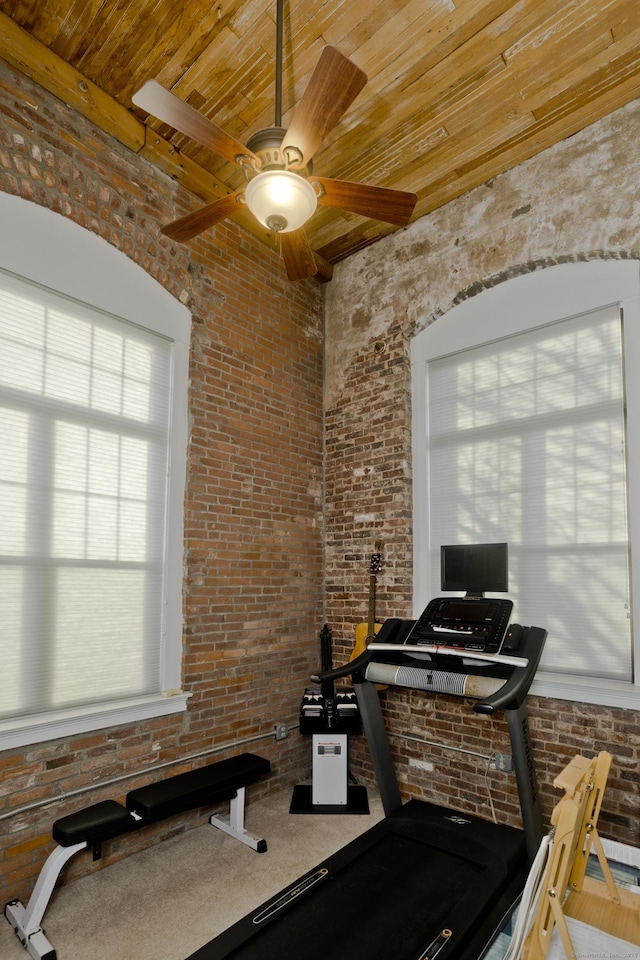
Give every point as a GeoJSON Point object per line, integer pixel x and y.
{"type": "Point", "coordinates": [371, 622]}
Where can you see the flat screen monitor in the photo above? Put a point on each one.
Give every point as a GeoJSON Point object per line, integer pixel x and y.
{"type": "Point", "coordinates": [476, 568]}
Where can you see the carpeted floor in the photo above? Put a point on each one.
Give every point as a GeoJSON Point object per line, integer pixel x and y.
{"type": "Point", "coordinates": [164, 903]}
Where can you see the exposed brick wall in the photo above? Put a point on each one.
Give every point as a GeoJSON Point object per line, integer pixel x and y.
{"type": "Point", "coordinates": [253, 510]}
{"type": "Point", "coordinates": [368, 448]}
{"type": "Point", "coordinates": [573, 202]}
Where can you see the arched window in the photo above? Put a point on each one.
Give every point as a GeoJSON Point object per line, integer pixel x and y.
{"type": "Point", "coordinates": [526, 400]}
{"type": "Point", "coordinates": [93, 432]}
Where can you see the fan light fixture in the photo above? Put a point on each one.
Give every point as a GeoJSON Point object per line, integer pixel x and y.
{"type": "Point", "coordinates": [281, 200]}
{"type": "Point", "coordinates": [274, 157]}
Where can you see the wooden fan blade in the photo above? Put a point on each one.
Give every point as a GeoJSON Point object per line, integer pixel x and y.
{"type": "Point", "coordinates": [379, 203]}
{"type": "Point", "coordinates": [297, 255]}
{"type": "Point", "coordinates": [334, 85]}
{"type": "Point", "coordinates": [164, 105]}
{"type": "Point", "coordinates": [193, 223]}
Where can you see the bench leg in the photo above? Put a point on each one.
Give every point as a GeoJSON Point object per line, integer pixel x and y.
{"type": "Point", "coordinates": [234, 823]}
{"type": "Point", "coordinates": [26, 920]}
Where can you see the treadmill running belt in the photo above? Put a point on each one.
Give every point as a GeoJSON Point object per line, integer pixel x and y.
{"type": "Point", "coordinates": [388, 894]}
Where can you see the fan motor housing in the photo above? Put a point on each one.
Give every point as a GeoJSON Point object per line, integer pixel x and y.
{"type": "Point", "coordinates": [266, 145]}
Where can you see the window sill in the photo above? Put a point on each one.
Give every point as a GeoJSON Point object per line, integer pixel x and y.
{"type": "Point", "coordinates": [67, 723]}
{"type": "Point", "coordinates": [603, 693]}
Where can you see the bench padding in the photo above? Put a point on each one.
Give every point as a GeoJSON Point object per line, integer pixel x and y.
{"type": "Point", "coordinates": [197, 788]}
{"type": "Point", "coordinates": [93, 824]}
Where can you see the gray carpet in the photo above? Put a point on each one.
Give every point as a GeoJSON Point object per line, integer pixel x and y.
{"type": "Point", "coordinates": [164, 903]}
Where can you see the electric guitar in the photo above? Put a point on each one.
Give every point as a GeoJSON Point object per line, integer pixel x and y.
{"type": "Point", "coordinates": [365, 632]}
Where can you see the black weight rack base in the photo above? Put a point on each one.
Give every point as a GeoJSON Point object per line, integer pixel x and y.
{"type": "Point", "coordinates": [302, 801]}
{"type": "Point", "coordinates": [424, 881]}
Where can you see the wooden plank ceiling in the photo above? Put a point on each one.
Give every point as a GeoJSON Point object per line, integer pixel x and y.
{"type": "Point", "coordinates": [458, 90]}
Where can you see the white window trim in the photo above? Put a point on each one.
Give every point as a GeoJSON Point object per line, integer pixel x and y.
{"type": "Point", "coordinates": [51, 250]}
{"type": "Point", "coordinates": [512, 307]}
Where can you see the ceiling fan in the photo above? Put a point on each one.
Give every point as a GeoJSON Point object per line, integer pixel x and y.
{"type": "Point", "coordinates": [282, 192]}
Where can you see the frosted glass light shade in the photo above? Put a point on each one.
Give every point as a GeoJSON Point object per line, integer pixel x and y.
{"type": "Point", "coordinates": [281, 200]}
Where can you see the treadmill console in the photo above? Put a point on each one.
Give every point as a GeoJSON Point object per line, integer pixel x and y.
{"type": "Point", "coordinates": [477, 624]}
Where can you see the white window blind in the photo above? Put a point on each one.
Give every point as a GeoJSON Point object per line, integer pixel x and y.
{"type": "Point", "coordinates": [85, 403]}
{"type": "Point", "coordinates": [526, 444]}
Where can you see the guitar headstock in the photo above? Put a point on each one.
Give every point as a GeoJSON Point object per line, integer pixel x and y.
{"type": "Point", "coordinates": [375, 564]}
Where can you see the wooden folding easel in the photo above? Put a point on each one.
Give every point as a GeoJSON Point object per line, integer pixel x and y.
{"type": "Point", "coordinates": [566, 891]}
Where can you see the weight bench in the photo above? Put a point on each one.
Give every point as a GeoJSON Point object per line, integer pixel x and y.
{"type": "Point", "coordinates": [88, 828]}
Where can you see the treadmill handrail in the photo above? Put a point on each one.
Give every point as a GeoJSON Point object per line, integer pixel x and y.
{"type": "Point", "coordinates": [512, 694]}
{"type": "Point", "coordinates": [443, 650]}
{"type": "Point", "coordinates": [351, 667]}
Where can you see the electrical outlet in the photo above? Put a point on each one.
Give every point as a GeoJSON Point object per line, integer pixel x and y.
{"type": "Point", "coordinates": [503, 761]}
{"type": "Point", "coordinates": [282, 731]}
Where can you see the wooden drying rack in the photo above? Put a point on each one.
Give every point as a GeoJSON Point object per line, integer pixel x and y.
{"type": "Point", "coordinates": [566, 891]}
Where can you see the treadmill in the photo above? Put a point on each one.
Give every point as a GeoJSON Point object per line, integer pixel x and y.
{"type": "Point", "coordinates": [426, 881]}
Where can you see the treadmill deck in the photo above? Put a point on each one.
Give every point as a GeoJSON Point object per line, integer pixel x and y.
{"type": "Point", "coordinates": [424, 882]}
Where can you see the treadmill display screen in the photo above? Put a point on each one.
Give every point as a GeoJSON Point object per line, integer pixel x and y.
{"type": "Point", "coordinates": [467, 623]}
{"type": "Point", "coordinates": [468, 612]}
